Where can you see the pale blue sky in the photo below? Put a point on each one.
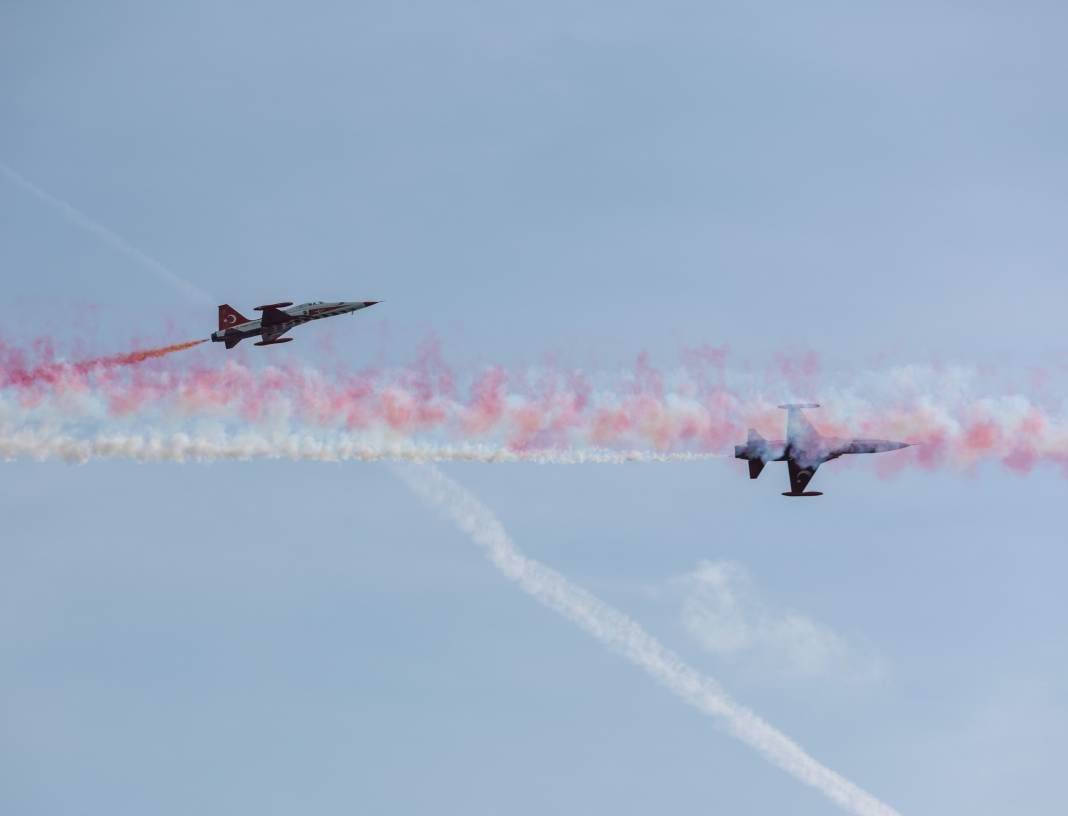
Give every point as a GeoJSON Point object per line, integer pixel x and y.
{"type": "Point", "coordinates": [587, 181]}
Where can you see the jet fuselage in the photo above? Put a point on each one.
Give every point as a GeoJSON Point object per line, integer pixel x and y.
{"type": "Point", "coordinates": [275, 320]}
{"type": "Point", "coordinates": [804, 450]}
{"type": "Point", "coordinates": [813, 451]}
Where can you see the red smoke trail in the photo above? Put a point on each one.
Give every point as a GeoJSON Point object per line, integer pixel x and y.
{"type": "Point", "coordinates": [13, 370]}
{"type": "Point", "coordinates": [147, 354]}
{"type": "Point", "coordinates": [959, 416]}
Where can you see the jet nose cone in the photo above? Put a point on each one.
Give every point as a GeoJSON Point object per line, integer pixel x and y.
{"type": "Point", "coordinates": [367, 303]}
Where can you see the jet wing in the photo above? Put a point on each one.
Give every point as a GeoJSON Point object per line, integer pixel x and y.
{"type": "Point", "coordinates": [271, 335]}
{"type": "Point", "coordinates": [272, 316]}
{"type": "Point", "coordinates": [800, 476]}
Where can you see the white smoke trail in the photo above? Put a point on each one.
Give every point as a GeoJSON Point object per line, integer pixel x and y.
{"type": "Point", "coordinates": [194, 293]}
{"type": "Point", "coordinates": [627, 638]}
{"type": "Point", "coordinates": [180, 447]}
{"type": "Point", "coordinates": [957, 417]}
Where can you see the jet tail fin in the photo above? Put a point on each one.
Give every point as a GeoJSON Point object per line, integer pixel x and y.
{"type": "Point", "coordinates": [754, 436]}
{"type": "Point", "coordinates": [229, 316]}
{"type": "Point", "coordinates": [755, 466]}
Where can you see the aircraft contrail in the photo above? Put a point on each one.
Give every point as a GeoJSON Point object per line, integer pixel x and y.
{"type": "Point", "coordinates": [180, 447]}
{"type": "Point", "coordinates": [625, 637]}
{"type": "Point", "coordinates": [76, 216]}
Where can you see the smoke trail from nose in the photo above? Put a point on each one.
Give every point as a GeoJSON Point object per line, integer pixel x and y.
{"type": "Point", "coordinates": [625, 637]}
{"type": "Point", "coordinates": [251, 446]}
{"type": "Point", "coordinates": [194, 293]}
{"type": "Point", "coordinates": [56, 371]}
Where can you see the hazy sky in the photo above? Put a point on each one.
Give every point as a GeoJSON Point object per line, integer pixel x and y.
{"type": "Point", "coordinates": [576, 182]}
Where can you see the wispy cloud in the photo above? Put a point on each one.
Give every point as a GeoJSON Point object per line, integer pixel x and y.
{"type": "Point", "coordinates": [625, 637]}
{"type": "Point", "coordinates": [724, 612]}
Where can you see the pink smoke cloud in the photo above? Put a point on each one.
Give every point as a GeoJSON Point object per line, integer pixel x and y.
{"type": "Point", "coordinates": [701, 405]}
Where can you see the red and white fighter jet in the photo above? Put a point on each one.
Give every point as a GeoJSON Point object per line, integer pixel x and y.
{"type": "Point", "coordinates": [275, 320]}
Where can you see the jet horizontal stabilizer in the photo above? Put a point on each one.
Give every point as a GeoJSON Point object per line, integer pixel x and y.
{"type": "Point", "coordinates": [755, 466]}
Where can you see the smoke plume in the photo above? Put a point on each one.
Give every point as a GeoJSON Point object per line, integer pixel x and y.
{"type": "Point", "coordinates": [59, 372]}
{"type": "Point", "coordinates": [251, 446]}
{"type": "Point", "coordinates": [958, 416]}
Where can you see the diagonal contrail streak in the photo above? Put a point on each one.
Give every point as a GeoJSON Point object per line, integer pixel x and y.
{"type": "Point", "coordinates": [76, 216]}
{"type": "Point", "coordinates": [625, 637]}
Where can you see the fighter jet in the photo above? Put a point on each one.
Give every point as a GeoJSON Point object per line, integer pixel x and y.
{"type": "Point", "coordinates": [275, 320]}
{"type": "Point", "coordinates": [804, 449]}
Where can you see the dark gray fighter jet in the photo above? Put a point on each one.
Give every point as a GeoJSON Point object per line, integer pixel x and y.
{"type": "Point", "coordinates": [804, 449]}
{"type": "Point", "coordinates": [275, 320]}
